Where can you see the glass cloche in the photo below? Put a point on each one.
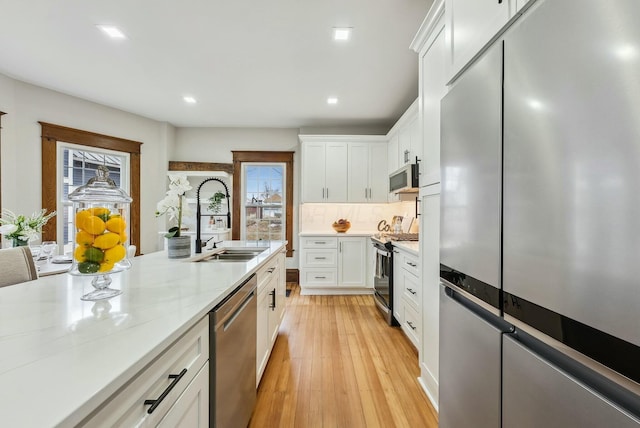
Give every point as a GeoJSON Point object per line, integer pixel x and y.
{"type": "Point", "coordinates": [101, 225]}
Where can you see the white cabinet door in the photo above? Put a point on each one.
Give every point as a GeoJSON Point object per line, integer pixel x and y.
{"type": "Point", "coordinates": [405, 134]}
{"type": "Point", "coordinates": [358, 172]}
{"type": "Point", "coordinates": [262, 344]}
{"type": "Point", "coordinates": [282, 286]}
{"type": "Point", "coordinates": [430, 276]}
{"type": "Point", "coordinates": [392, 154]}
{"type": "Point", "coordinates": [191, 409]}
{"type": "Point", "coordinates": [352, 268]}
{"type": "Point", "coordinates": [378, 179]}
{"type": "Point", "coordinates": [416, 141]}
{"type": "Point", "coordinates": [313, 167]}
{"type": "Point", "coordinates": [432, 89]}
{"type": "Point", "coordinates": [336, 168]}
{"type": "Point", "coordinates": [398, 289]}
{"type": "Point", "coordinates": [470, 26]}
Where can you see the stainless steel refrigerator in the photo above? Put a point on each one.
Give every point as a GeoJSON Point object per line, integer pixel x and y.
{"type": "Point", "coordinates": [565, 335]}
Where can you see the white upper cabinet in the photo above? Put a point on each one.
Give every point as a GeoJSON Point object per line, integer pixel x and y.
{"type": "Point", "coordinates": [346, 168]}
{"type": "Point", "coordinates": [393, 162]}
{"type": "Point", "coordinates": [432, 88]}
{"type": "Point", "coordinates": [405, 136]}
{"type": "Point", "coordinates": [336, 172]}
{"type": "Point", "coordinates": [366, 162]}
{"type": "Point", "coordinates": [324, 171]}
{"type": "Point", "coordinates": [471, 24]}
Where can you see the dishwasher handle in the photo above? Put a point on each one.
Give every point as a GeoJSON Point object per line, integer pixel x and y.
{"type": "Point", "coordinates": [228, 321]}
{"type": "Point", "coordinates": [228, 307]}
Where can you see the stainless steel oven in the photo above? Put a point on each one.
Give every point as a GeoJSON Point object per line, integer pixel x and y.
{"type": "Point", "coordinates": [383, 279]}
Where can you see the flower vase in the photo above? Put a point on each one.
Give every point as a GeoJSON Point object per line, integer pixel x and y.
{"type": "Point", "coordinates": [179, 247]}
{"type": "Point", "coordinates": [20, 243]}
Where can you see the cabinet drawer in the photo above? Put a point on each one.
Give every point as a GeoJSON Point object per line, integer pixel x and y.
{"type": "Point", "coordinates": [410, 263]}
{"type": "Point", "coordinates": [320, 258]}
{"type": "Point", "coordinates": [319, 277]}
{"type": "Point", "coordinates": [411, 325]}
{"type": "Point", "coordinates": [268, 272]}
{"type": "Point", "coordinates": [127, 407]}
{"type": "Point", "coordinates": [411, 290]}
{"type": "Point", "coordinates": [320, 242]}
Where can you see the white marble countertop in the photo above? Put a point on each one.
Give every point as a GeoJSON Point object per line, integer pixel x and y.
{"type": "Point", "coordinates": [331, 232]}
{"type": "Point", "coordinates": [60, 357]}
{"type": "Point", "coordinates": [411, 247]}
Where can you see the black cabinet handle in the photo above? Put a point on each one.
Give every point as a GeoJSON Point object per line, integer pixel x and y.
{"type": "Point", "coordinates": [273, 300]}
{"type": "Point", "coordinates": [411, 325]}
{"type": "Point", "coordinates": [410, 290]}
{"type": "Point", "coordinates": [499, 1]}
{"type": "Point", "coordinates": [417, 202]}
{"type": "Point", "coordinates": [155, 403]}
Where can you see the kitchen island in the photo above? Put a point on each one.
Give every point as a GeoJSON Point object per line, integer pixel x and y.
{"type": "Point", "coordinates": [61, 358]}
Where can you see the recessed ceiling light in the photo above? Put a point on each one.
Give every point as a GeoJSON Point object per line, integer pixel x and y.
{"type": "Point", "coordinates": [189, 99]}
{"type": "Point", "coordinates": [111, 31]}
{"type": "Point", "coordinates": [341, 33]}
{"type": "Point", "coordinates": [332, 100]}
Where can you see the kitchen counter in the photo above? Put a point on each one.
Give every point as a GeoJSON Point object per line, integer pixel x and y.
{"type": "Point", "coordinates": [332, 232]}
{"type": "Point", "coordinates": [412, 247]}
{"type": "Point", "coordinates": [62, 357]}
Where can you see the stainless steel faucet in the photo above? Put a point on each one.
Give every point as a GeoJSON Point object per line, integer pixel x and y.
{"type": "Point", "coordinates": [199, 214]}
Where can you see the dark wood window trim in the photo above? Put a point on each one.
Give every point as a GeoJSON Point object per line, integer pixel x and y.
{"type": "Point", "coordinates": [253, 156]}
{"type": "Point", "coordinates": [200, 166]}
{"type": "Point", "coordinates": [51, 134]}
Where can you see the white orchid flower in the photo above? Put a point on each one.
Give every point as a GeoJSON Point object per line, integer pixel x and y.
{"type": "Point", "coordinates": [8, 229]}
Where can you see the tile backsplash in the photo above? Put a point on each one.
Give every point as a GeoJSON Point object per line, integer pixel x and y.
{"type": "Point", "coordinates": [363, 217]}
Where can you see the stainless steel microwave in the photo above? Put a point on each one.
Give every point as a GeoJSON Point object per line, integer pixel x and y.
{"type": "Point", "coordinates": [405, 179]}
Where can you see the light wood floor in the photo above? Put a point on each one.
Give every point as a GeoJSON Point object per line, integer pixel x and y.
{"type": "Point", "coordinates": [337, 364]}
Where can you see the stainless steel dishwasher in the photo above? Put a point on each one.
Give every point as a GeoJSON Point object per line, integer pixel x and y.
{"type": "Point", "coordinates": [232, 325]}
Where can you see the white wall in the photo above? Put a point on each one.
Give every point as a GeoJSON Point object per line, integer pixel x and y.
{"type": "Point", "coordinates": [216, 144]}
{"type": "Point", "coordinates": [26, 105]}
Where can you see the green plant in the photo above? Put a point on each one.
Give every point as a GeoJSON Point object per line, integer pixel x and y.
{"type": "Point", "coordinates": [172, 203]}
{"type": "Point", "coordinates": [215, 202]}
{"type": "Point", "coordinates": [23, 228]}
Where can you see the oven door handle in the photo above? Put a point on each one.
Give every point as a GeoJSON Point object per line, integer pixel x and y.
{"type": "Point", "coordinates": [383, 253]}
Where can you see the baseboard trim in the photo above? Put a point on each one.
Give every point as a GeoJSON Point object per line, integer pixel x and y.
{"type": "Point", "coordinates": [429, 386]}
{"type": "Point", "coordinates": [342, 291]}
{"type": "Point", "coordinates": [293, 275]}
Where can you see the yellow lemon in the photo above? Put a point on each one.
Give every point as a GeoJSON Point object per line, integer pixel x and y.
{"type": "Point", "coordinates": [94, 225]}
{"type": "Point", "coordinates": [84, 239]}
{"type": "Point", "coordinates": [105, 267]}
{"type": "Point", "coordinates": [99, 211]}
{"type": "Point", "coordinates": [81, 216]}
{"type": "Point", "coordinates": [114, 255]}
{"type": "Point", "coordinates": [123, 237]}
{"type": "Point", "coordinates": [107, 240]}
{"type": "Point", "coordinates": [116, 224]}
{"type": "Point", "coordinates": [78, 254]}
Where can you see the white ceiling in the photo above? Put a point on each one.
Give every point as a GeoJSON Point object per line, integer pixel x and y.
{"type": "Point", "coordinates": [249, 63]}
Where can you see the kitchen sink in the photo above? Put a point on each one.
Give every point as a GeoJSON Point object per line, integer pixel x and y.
{"type": "Point", "coordinates": [232, 255]}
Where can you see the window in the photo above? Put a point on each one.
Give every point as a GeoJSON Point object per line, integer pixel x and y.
{"type": "Point", "coordinates": [76, 165]}
{"type": "Point", "coordinates": [85, 150]}
{"type": "Point", "coordinates": [266, 177]}
{"type": "Point", "coordinates": [263, 201]}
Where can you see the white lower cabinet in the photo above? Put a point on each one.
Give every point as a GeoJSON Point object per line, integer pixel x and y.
{"type": "Point", "coordinates": [191, 409]}
{"type": "Point", "coordinates": [334, 263]}
{"type": "Point", "coordinates": [174, 372]}
{"type": "Point", "coordinates": [407, 291]}
{"type": "Point", "coordinates": [271, 304]}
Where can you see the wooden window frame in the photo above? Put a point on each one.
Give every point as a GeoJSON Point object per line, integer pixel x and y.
{"type": "Point", "coordinates": [51, 134]}
{"type": "Point", "coordinates": [256, 156]}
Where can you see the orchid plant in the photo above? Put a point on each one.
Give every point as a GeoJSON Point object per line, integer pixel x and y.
{"type": "Point", "coordinates": [172, 204]}
{"type": "Point", "coordinates": [23, 228]}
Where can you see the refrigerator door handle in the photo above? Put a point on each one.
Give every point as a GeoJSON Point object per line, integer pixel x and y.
{"type": "Point", "coordinates": [476, 306]}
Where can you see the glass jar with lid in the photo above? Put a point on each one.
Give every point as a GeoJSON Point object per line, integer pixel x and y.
{"type": "Point", "coordinates": [101, 226]}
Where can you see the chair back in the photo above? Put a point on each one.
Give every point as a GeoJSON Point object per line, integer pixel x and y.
{"type": "Point", "coordinates": [16, 265]}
